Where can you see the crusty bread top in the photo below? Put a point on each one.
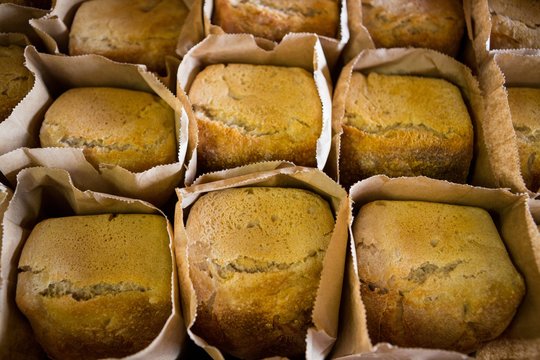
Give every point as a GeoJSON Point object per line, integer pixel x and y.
{"type": "Point", "coordinates": [15, 79]}
{"type": "Point", "coordinates": [525, 109]}
{"type": "Point", "coordinates": [525, 11]}
{"type": "Point", "coordinates": [133, 129]}
{"type": "Point", "coordinates": [441, 268]}
{"type": "Point", "coordinates": [261, 227]}
{"type": "Point", "coordinates": [260, 100]}
{"type": "Point", "coordinates": [134, 31]}
{"type": "Point", "coordinates": [273, 19]}
{"type": "Point", "coordinates": [383, 102]}
{"type": "Point", "coordinates": [129, 251]}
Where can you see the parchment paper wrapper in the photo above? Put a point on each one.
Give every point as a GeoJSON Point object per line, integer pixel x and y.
{"type": "Point", "coordinates": [478, 20]}
{"type": "Point", "coordinates": [322, 334]}
{"type": "Point", "coordinates": [360, 39]}
{"type": "Point", "coordinates": [295, 50]}
{"type": "Point", "coordinates": [516, 227]}
{"type": "Point", "coordinates": [502, 70]}
{"type": "Point", "coordinates": [201, 26]}
{"type": "Point", "coordinates": [5, 197]}
{"type": "Point", "coordinates": [43, 193]}
{"type": "Point", "coordinates": [56, 74]}
{"type": "Point", "coordinates": [54, 29]}
{"type": "Point", "coordinates": [417, 62]}
{"type": "Point", "coordinates": [15, 19]}
{"type": "Point", "coordinates": [13, 128]}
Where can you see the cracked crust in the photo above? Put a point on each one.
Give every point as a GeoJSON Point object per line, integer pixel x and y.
{"type": "Point", "coordinates": [437, 25]}
{"type": "Point", "coordinates": [524, 106]}
{"type": "Point", "coordinates": [514, 24]}
{"type": "Point", "coordinates": [132, 31]}
{"type": "Point", "coordinates": [434, 275]}
{"type": "Point", "coordinates": [96, 286]}
{"type": "Point", "coordinates": [255, 258]}
{"type": "Point", "coordinates": [390, 129]}
{"type": "Point", "coordinates": [132, 129]}
{"type": "Point", "coordinates": [273, 19]}
{"type": "Point", "coordinates": [251, 113]}
{"type": "Point", "coordinates": [15, 79]}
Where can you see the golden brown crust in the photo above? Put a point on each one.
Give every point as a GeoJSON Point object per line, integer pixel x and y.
{"type": "Point", "coordinates": [273, 19]}
{"type": "Point", "coordinates": [255, 258]}
{"type": "Point", "coordinates": [132, 129]}
{"type": "Point", "coordinates": [132, 31]}
{"type": "Point", "coordinates": [15, 79]}
{"type": "Point", "coordinates": [404, 126]}
{"type": "Point", "coordinates": [437, 25]}
{"type": "Point", "coordinates": [514, 24]}
{"type": "Point", "coordinates": [251, 113]}
{"type": "Point", "coordinates": [434, 275]}
{"type": "Point", "coordinates": [525, 110]}
{"type": "Point", "coordinates": [96, 286]}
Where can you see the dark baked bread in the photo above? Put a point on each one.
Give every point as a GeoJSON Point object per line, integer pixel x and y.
{"type": "Point", "coordinates": [514, 24]}
{"type": "Point", "coordinates": [255, 258]}
{"type": "Point", "coordinates": [15, 79]}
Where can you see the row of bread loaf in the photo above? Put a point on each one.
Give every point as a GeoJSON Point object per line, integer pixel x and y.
{"type": "Point", "coordinates": [259, 255]}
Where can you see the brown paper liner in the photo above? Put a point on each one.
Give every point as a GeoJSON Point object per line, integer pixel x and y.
{"type": "Point", "coordinates": [501, 70]}
{"type": "Point", "coordinates": [5, 198]}
{"type": "Point", "coordinates": [201, 26]}
{"type": "Point", "coordinates": [15, 19]}
{"type": "Point", "coordinates": [54, 75]}
{"type": "Point", "coordinates": [295, 50]}
{"type": "Point", "coordinates": [360, 38]}
{"type": "Point", "coordinates": [516, 227]}
{"type": "Point", "coordinates": [322, 334]}
{"type": "Point", "coordinates": [53, 30]}
{"type": "Point", "coordinates": [418, 62]}
{"type": "Point", "coordinates": [43, 193]}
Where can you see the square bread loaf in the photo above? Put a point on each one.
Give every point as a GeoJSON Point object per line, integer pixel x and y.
{"type": "Point", "coordinates": [250, 113]}
{"type": "Point", "coordinates": [405, 126]}
{"type": "Point", "coordinates": [434, 275]}
{"type": "Point", "coordinates": [437, 25]}
{"type": "Point", "coordinates": [515, 24]}
{"type": "Point", "coordinates": [15, 79]}
{"type": "Point", "coordinates": [273, 19]}
{"type": "Point", "coordinates": [96, 286]}
{"type": "Point", "coordinates": [132, 31]}
{"type": "Point", "coordinates": [525, 111]}
{"type": "Point", "coordinates": [128, 128]}
{"type": "Point", "coordinates": [255, 256]}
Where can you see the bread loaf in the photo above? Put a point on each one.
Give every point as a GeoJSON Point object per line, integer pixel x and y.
{"type": "Point", "coordinates": [15, 79]}
{"type": "Point", "coordinates": [434, 275]}
{"type": "Point", "coordinates": [514, 24]}
{"type": "Point", "coordinates": [255, 257]}
{"type": "Point", "coordinates": [132, 31]}
{"type": "Point", "coordinates": [132, 129]}
{"type": "Point", "coordinates": [437, 25]}
{"type": "Point", "coordinates": [525, 111]}
{"type": "Point", "coordinates": [251, 113]}
{"type": "Point", "coordinates": [273, 19]}
{"type": "Point", "coordinates": [96, 286]}
{"type": "Point", "coordinates": [404, 126]}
